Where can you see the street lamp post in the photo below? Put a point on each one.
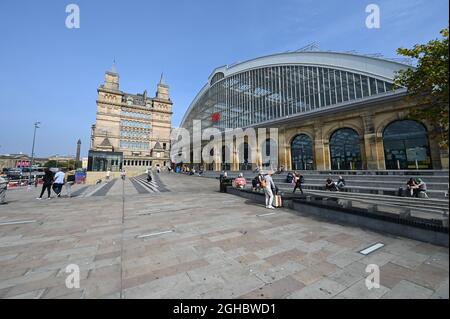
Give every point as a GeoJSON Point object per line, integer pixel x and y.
{"type": "Point", "coordinates": [36, 126]}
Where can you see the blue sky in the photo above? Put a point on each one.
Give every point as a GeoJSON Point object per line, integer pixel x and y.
{"type": "Point", "coordinates": [49, 73]}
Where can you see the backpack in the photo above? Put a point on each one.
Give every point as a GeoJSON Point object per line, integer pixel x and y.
{"type": "Point", "coordinates": [290, 178]}
{"type": "Point", "coordinates": [263, 182]}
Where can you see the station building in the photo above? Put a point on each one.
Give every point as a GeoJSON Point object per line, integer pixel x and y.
{"type": "Point", "coordinates": [333, 111]}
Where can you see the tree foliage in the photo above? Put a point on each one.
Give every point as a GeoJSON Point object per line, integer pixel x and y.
{"type": "Point", "coordinates": [66, 164]}
{"type": "Point", "coordinates": [428, 83]}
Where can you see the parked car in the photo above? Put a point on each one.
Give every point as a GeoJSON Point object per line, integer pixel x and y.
{"type": "Point", "coordinates": [14, 173]}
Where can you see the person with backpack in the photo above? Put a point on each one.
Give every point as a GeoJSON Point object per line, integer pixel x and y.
{"type": "Point", "coordinates": [256, 182]}
{"type": "Point", "coordinates": [268, 185]}
{"type": "Point", "coordinates": [298, 180]}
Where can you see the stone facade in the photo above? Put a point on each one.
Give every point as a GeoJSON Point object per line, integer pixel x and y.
{"type": "Point", "coordinates": [368, 120]}
{"type": "Point", "coordinates": [137, 125]}
{"type": "Point", "coordinates": [18, 160]}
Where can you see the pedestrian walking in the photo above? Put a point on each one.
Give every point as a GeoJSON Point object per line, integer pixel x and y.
{"type": "Point", "coordinates": [70, 181]}
{"type": "Point", "coordinates": [298, 181]}
{"type": "Point", "coordinates": [108, 175]}
{"type": "Point", "coordinates": [58, 182]}
{"type": "Point", "coordinates": [149, 176]}
{"type": "Point", "coordinates": [123, 174]}
{"type": "Point", "coordinates": [3, 188]}
{"type": "Point", "coordinates": [47, 183]}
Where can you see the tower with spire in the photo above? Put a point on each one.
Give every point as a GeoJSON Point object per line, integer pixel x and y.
{"type": "Point", "coordinates": [112, 78]}
{"type": "Point", "coordinates": [78, 150]}
{"type": "Point", "coordinates": [162, 91]}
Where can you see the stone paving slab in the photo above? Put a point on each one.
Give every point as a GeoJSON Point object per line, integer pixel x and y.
{"type": "Point", "coordinates": [200, 244]}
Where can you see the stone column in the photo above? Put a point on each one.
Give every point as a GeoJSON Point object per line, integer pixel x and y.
{"type": "Point", "coordinates": [283, 150]}
{"type": "Point", "coordinates": [370, 144]}
{"type": "Point", "coordinates": [444, 157]}
{"type": "Point", "coordinates": [321, 150]}
{"type": "Point", "coordinates": [234, 158]}
{"type": "Point", "coordinates": [439, 155]}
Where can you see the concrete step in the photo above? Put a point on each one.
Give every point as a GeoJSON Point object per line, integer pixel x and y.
{"type": "Point", "coordinates": [418, 202]}
{"type": "Point", "coordinates": [444, 178]}
{"type": "Point", "coordinates": [380, 185]}
{"type": "Point", "coordinates": [364, 189]}
{"type": "Point", "coordinates": [370, 183]}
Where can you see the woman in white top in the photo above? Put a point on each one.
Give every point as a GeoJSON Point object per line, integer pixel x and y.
{"type": "Point", "coordinates": [269, 185]}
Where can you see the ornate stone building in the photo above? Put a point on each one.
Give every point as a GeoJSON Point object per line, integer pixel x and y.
{"type": "Point", "coordinates": [132, 131]}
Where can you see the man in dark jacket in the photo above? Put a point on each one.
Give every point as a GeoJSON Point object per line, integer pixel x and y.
{"type": "Point", "coordinates": [223, 179]}
{"type": "Point", "coordinates": [48, 181]}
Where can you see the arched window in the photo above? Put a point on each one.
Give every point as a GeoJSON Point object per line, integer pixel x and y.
{"type": "Point", "coordinates": [406, 145]}
{"type": "Point", "coordinates": [345, 150]}
{"type": "Point", "coordinates": [302, 153]}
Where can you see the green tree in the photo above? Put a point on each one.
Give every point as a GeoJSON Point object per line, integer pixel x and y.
{"type": "Point", "coordinates": [428, 83]}
{"type": "Point", "coordinates": [66, 164]}
{"type": "Point", "coordinates": [50, 164]}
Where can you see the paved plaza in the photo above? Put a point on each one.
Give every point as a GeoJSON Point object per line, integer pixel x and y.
{"type": "Point", "coordinates": [180, 238]}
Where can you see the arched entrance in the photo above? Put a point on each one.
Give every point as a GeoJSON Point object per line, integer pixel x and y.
{"type": "Point", "coordinates": [345, 150]}
{"type": "Point", "coordinates": [406, 145]}
{"type": "Point", "coordinates": [302, 157]}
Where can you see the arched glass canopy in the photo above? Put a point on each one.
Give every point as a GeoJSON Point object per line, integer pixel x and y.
{"type": "Point", "coordinates": [274, 92]}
